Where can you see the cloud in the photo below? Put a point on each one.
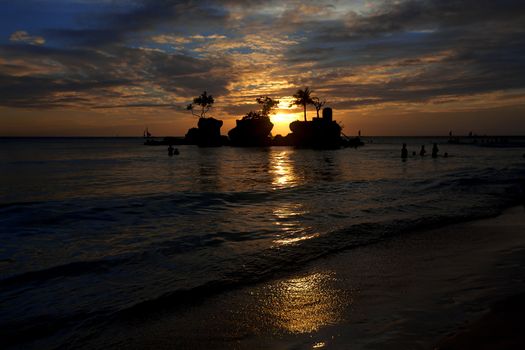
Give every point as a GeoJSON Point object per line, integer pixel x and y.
{"type": "Point", "coordinates": [23, 36]}
{"type": "Point", "coordinates": [146, 15]}
{"type": "Point", "coordinates": [394, 52]}
{"type": "Point", "coordinates": [86, 78]}
{"type": "Point", "coordinates": [177, 39]}
{"type": "Point", "coordinates": [355, 54]}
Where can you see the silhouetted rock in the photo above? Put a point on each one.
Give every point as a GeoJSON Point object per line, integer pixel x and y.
{"type": "Point", "coordinates": [192, 136]}
{"type": "Point", "coordinates": [225, 141]}
{"type": "Point", "coordinates": [280, 140]}
{"type": "Point", "coordinates": [352, 142]}
{"type": "Point", "coordinates": [318, 133]}
{"type": "Point", "coordinates": [253, 130]}
{"type": "Point", "coordinates": [208, 133]}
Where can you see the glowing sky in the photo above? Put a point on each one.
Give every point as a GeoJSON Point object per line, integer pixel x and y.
{"type": "Point", "coordinates": [405, 67]}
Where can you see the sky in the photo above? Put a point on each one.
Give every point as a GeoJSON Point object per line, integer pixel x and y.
{"type": "Point", "coordinates": [402, 67]}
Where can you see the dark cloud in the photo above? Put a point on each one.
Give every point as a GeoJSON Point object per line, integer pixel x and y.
{"type": "Point", "coordinates": [29, 92]}
{"type": "Point", "coordinates": [425, 49]}
{"type": "Point", "coordinates": [483, 43]}
{"type": "Point", "coordinates": [117, 28]}
{"type": "Point", "coordinates": [91, 78]}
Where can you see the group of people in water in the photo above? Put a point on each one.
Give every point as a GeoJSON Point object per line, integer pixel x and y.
{"type": "Point", "coordinates": [172, 151]}
{"type": "Point", "coordinates": [422, 151]}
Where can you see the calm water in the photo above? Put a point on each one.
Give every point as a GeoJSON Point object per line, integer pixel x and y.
{"type": "Point", "coordinates": [92, 228]}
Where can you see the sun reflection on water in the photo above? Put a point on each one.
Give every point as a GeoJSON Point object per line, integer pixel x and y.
{"type": "Point", "coordinates": [292, 240]}
{"type": "Point", "coordinates": [291, 227]}
{"type": "Point", "coordinates": [305, 304]}
{"type": "Point", "coordinates": [289, 217]}
{"type": "Point", "coordinates": [282, 170]}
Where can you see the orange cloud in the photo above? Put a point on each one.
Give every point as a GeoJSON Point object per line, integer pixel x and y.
{"type": "Point", "coordinates": [23, 36]}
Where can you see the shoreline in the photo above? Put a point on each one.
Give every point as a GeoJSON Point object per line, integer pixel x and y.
{"type": "Point", "coordinates": [410, 291]}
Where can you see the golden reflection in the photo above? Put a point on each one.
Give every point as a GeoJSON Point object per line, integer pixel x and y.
{"type": "Point", "coordinates": [282, 170]}
{"type": "Point", "coordinates": [288, 216]}
{"type": "Point", "coordinates": [292, 240]}
{"type": "Point", "coordinates": [305, 304]}
{"type": "Point", "coordinates": [291, 228]}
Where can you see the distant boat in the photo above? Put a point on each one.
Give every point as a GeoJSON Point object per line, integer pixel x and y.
{"type": "Point", "coordinates": [147, 134]}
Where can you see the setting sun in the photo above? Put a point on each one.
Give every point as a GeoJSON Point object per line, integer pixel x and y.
{"type": "Point", "coordinates": [284, 116]}
{"type": "Point", "coordinates": [282, 120]}
{"type": "Point", "coordinates": [226, 174]}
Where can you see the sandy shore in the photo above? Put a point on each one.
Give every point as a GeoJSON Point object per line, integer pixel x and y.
{"type": "Point", "coordinates": [416, 291]}
{"type": "Point", "coordinates": [503, 327]}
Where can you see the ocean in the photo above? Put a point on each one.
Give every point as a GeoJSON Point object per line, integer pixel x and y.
{"type": "Point", "coordinates": [92, 229]}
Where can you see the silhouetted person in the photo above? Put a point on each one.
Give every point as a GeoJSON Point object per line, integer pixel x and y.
{"type": "Point", "coordinates": [359, 133]}
{"type": "Point", "coordinates": [404, 152]}
{"type": "Point", "coordinates": [170, 150]}
{"type": "Point", "coordinates": [435, 150]}
{"type": "Point", "coordinates": [176, 151]}
{"type": "Point", "coordinates": [422, 151]}
{"type": "Point", "coordinates": [414, 153]}
{"type": "Point", "coordinates": [445, 155]}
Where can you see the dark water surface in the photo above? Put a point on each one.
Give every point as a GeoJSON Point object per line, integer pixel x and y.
{"type": "Point", "coordinates": [93, 228]}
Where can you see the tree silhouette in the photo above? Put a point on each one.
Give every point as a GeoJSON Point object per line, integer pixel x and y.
{"type": "Point", "coordinates": [303, 98]}
{"type": "Point", "coordinates": [267, 103]}
{"type": "Point", "coordinates": [318, 104]}
{"type": "Point", "coordinates": [205, 101]}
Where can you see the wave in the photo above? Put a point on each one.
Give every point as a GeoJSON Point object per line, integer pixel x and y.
{"type": "Point", "coordinates": [254, 269]}
{"type": "Point", "coordinates": [493, 190]}
{"type": "Point", "coordinates": [247, 270]}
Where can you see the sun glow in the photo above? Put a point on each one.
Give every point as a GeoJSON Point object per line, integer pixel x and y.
{"type": "Point", "coordinates": [282, 120]}
{"type": "Point", "coordinates": [287, 118]}
{"type": "Point", "coordinates": [284, 115]}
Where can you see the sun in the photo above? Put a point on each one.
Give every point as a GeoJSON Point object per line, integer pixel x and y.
{"type": "Point", "coordinates": [283, 116]}
{"type": "Point", "coordinates": [281, 122]}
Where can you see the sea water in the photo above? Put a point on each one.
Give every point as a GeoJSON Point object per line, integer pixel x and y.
{"type": "Point", "coordinates": [91, 228]}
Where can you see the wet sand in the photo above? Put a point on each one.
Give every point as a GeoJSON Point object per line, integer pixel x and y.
{"type": "Point", "coordinates": [414, 291]}
{"type": "Point", "coordinates": [503, 327]}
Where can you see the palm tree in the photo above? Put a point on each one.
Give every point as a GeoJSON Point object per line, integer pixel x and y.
{"type": "Point", "coordinates": [303, 98]}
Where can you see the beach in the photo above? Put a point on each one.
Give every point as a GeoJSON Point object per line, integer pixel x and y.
{"type": "Point", "coordinates": [184, 174]}
{"type": "Point", "coordinates": [107, 243]}
{"type": "Point", "coordinates": [500, 328]}
{"type": "Point", "coordinates": [416, 291]}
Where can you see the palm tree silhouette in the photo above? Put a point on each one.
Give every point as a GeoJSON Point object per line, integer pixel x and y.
{"type": "Point", "coordinates": [303, 98]}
